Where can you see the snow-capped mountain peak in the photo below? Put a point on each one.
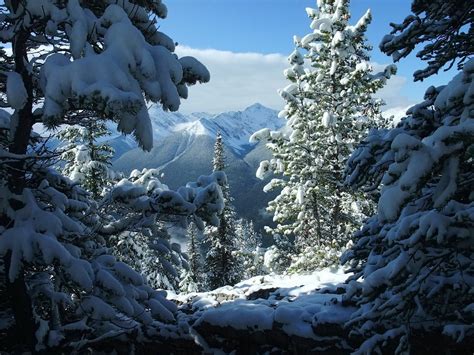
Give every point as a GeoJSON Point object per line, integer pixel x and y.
{"type": "Point", "coordinates": [163, 123]}
{"type": "Point", "coordinates": [235, 126]}
{"type": "Point", "coordinates": [197, 128]}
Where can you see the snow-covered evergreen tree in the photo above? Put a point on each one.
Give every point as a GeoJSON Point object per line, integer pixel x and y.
{"type": "Point", "coordinates": [67, 57]}
{"type": "Point", "coordinates": [330, 106]}
{"type": "Point", "coordinates": [138, 236]}
{"type": "Point", "coordinates": [277, 258]}
{"type": "Point", "coordinates": [221, 264]}
{"type": "Point", "coordinates": [249, 249]}
{"type": "Point", "coordinates": [218, 160]}
{"type": "Point", "coordinates": [148, 249]}
{"type": "Point", "coordinates": [151, 252]}
{"type": "Point", "coordinates": [87, 161]}
{"type": "Point", "coordinates": [413, 261]}
{"type": "Point", "coordinates": [193, 278]}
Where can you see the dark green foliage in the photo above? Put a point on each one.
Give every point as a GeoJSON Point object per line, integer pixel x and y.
{"type": "Point", "coordinates": [445, 28]}
{"type": "Point", "coordinates": [221, 265]}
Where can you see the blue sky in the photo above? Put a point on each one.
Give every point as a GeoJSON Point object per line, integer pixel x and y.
{"type": "Point", "coordinates": [244, 43]}
{"type": "Point", "coordinates": [267, 27]}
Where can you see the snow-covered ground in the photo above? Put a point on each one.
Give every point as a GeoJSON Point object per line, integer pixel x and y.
{"type": "Point", "coordinates": [293, 304]}
{"type": "Point", "coordinates": [289, 286]}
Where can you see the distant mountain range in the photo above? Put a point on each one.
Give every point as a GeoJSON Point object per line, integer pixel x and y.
{"type": "Point", "coordinates": [184, 146]}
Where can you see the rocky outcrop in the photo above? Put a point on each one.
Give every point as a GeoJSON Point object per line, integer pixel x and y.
{"type": "Point", "coordinates": [273, 341]}
{"type": "Point", "coordinates": [258, 318]}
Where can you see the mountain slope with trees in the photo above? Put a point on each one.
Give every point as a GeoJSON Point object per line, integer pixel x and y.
{"type": "Point", "coordinates": [188, 152]}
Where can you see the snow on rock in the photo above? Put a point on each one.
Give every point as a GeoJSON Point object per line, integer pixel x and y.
{"type": "Point", "coordinates": [291, 307]}
{"type": "Point", "coordinates": [239, 315]}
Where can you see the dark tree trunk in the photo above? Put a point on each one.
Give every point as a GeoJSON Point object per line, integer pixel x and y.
{"type": "Point", "coordinates": [17, 290]}
{"type": "Point", "coordinates": [25, 326]}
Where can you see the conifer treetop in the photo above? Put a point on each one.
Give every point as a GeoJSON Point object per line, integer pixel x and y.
{"type": "Point", "coordinates": [218, 161]}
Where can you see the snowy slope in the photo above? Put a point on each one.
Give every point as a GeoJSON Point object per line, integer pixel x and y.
{"type": "Point", "coordinates": [164, 123]}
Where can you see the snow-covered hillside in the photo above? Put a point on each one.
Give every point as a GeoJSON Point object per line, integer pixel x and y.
{"type": "Point", "coordinates": [164, 123]}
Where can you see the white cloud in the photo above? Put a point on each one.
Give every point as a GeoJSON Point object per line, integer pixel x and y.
{"type": "Point", "coordinates": [238, 80]}
{"type": "Point", "coordinates": [392, 93]}
{"type": "Point", "coordinates": [397, 112]}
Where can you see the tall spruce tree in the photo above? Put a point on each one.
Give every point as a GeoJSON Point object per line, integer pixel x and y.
{"type": "Point", "coordinates": [249, 251]}
{"type": "Point", "coordinates": [222, 267]}
{"type": "Point", "coordinates": [413, 261]}
{"type": "Point", "coordinates": [193, 278]}
{"type": "Point", "coordinates": [330, 106]}
{"type": "Point", "coordinates": [88, 161]}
